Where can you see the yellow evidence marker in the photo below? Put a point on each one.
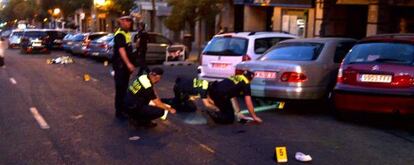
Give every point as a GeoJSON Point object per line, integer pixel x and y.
{"type": "Point", "coordinates": [86, 77]}
{"type": "Point", "coordinates": [281, 154]}
{"type": "Point", "coordinates": [105, 63]}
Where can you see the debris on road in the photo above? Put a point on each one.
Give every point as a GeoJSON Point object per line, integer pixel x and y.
{"type": "Point", "coordinates": [77, 117]}
{"type": "Point", "coordinates": [281, 155]}
{"type": "Point", "coordinates": [106, 63]}
{"type": "Point", "coordinates": [60, 60]}
{"type": "Point", "coordinates": [86, 77]}
{"type": "Point", "coordinates": [112, 73]}
{"type": "Point", "coordinates": [134, 138]}
{"type": "Point", "coordinates": [302, 157]}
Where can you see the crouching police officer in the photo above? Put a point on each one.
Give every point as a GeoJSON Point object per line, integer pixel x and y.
{"type": "Point", "coordinates": [186, 88]}
{"type": "Point", "coordinates": [140, 93]}
{"type": "Point", "coordinates": [223, 92]}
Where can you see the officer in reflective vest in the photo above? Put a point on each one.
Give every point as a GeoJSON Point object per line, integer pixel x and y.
{"type": "Point", "coordinates": [226, 91]}
{"type": "Point", "coordinates": [139, 95]}
{"type": "Point", "coordinates": [122, 63]}
{"type": "Point", "coordinates": [187, 91]}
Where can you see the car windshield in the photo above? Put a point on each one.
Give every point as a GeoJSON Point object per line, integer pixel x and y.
{"type": "Point", "coordinates": [263, 44]}
{"type": "Point", "coordinates": [293, 52]}
{"type": "Point", "coordinates": [79, 37]}
{"type": "Point", "coordinates": [96, 36]}
{"type": "Point", "coordinates": [381, 52]}
{"type": "Point", "coordinates": [34, 34]}
{"type": "Point", "coordinates": [229, 46]}
{"type": "Point", "coordinates": [106, 38]}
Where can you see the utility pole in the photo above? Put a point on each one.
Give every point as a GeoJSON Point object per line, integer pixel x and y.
{"type": "Point", "coordinates": [153, 14]}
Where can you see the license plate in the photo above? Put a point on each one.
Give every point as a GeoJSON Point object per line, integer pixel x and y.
{"type": "Point", "coordinates": [95, 54]}
{"type": "Point", "coordinates": [36, 44]}
{"type": "Point", "coordinates": [375, 78]}
{"type": "Point", "coordinates": [220, 65]}
{"type": "Point", "coordinates": [265, 75]}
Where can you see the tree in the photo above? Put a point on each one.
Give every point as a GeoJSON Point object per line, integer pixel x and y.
{"type": "Point", "coordinates": [20, 10]}
{"type": "Point", "coordinates": [189, 12]}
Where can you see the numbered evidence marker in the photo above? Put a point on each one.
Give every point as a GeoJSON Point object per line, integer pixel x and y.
{"type": "Point", "coordinates": [280, 105]}
{"type": "Point", "coordinates": [281, 154]}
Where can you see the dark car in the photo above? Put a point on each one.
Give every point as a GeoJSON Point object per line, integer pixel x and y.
{"type": "Point", "coordinates": [34, 41]}
{"type": "Point", "coordinates": [377, 75]}
{"type": "Point", "coordinates": [55, 40]}
{"type": "Point", "coordinates": [102, 47]}
{"type": "Point", "coordinates": [15, 38]}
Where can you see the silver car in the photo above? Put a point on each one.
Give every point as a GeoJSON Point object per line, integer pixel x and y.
{"type": "Point", "coordinates": [102, 47]}
{"type": "Point", "coordinates": [298, 69]}
{"type": "Point", "coordinates": [81, 42]}
{"type": "Point", "coordinates": [14, 39]}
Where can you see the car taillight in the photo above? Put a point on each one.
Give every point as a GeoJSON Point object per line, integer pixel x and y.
{"type": "Point", "coordinates": [246, 58]}
{"type": "Point", "coordinates": [104, 46]}
{"type": "Point", "coordinates": [293, 77]}
{"type": "Point", "coordinates": [340, 78]}
{"type": "Point", "coordinates": [403, 81]}
{"type": "Point", "coordinates": [86, 43]}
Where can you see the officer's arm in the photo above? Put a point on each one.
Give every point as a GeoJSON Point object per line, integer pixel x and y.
{"type": "Point", "coordinates": [158, 103]}
{"type": "Point", "coordinates": [250, 108]}
{"type": "Point", "coordinates": [124, 57]}
{"type": "Point", "coordinates": [209, 104]}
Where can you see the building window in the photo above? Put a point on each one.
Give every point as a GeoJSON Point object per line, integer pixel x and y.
{"type": "Point", "coordinates": [294, 21]}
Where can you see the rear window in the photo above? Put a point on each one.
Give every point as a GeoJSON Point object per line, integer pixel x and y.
{"type": "Point", "coordinates": [32, 34]}
{"type": "Point", "coordinates": [78, 37]}
{"type": "Point", "coordinates": [229, 46]}
{"type": "Point", "coordinates": [106, 38]}
{"type": "Point", "coordinates": [96, 36]}
{"type": "Point", "coordinates": [56, 34]}
{"type": "Point", "coordinates": [396, 53]}
{"type": "Point", "coordinates": [293, 52]}
{"type": "Point", "coordinates": [263, 44]}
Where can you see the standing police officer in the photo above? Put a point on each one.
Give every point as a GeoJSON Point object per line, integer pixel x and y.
{"type": "Point", "coordinates": [122, 63]}
{"type": "Point", "coordinates": [141, 40]}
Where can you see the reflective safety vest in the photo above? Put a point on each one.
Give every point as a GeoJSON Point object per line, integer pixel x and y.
{"type": "Point", "coordinates": [239, 78]}
{"type": "Point", "coordinates": [127, 35]}
{"type": "Point", "coordinates": [197, 83]}
{"type": "Point", "coordinates": [142, 82]}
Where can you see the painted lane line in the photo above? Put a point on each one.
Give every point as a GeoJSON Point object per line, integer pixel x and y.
{"type": "Point", "coordinates": [13, 81]}
{"type": "Point", "coordinates": [40, 120]}
{"type": "Point", "coordinates": [207, 148]}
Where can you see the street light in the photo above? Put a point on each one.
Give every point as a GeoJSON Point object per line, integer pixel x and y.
{"type": "Point", "coordinates": [56, 12]}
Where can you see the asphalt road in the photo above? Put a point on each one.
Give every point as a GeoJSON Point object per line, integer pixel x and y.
{"type": "Point", "coordinates": [49, 115]}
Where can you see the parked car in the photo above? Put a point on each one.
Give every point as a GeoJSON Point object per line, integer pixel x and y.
{"type": "Point", "coordinates": [298, 69]}
{"type": "Point", "coordinates": [5, 35]}
{"type": "Point", "coordinates": [67, 42]}
{"type": "Point", "coordinates": [14, 39]}
{"type": "Point", "coordinates": [34, 40]}
{"type": "Point", "coordinates": [55, 38]}
{"type": "Point", "coordinates": [225, 51]}
{"type": "Point", "coordinates": [81, 42]}
{"type": "Point", "coordinates": [377, 75]}
{"type": "Point", "coordinates": [102, 47]}
{"type": "Point", "coordinates": [157, 46]}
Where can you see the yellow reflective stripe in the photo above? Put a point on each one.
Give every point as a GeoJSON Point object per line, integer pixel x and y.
{"type": "Point", "coordinates": [145, 82]}
{"type": "Point", "coordinates": [238, 78]}
{"type": "Point", "coordinates": [135, 87]}
{"type": "Point", "coordinates": [205, 85]}
{"type": "Point", "coordinates": [126, 35]}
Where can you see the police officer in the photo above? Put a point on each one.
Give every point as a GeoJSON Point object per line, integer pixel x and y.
{"type": "Point", "coordinates": [139, 95]}
{"type": "Point", "coordinates": [141, 41]}
{"type": "Point", "coordinates": [186, 88]}
{"type": "Point", "coordinates": [122, 63]}
{"type": "Point", "coordinates": [223, 92]}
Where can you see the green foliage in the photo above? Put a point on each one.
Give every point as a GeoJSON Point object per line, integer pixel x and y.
{"type": "Point", "coordinates": [190, 11]}
{"type": "Point", "coordinates": [19, 9]}
{"type": "Point", "coordinates": [121, 6]}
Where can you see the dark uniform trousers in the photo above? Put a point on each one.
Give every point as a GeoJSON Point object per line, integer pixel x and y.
{"type": "Point", "coordinates": [145, 113]}
{"type": "Point", "coordinates": [182, 102]}
{"type": "Point", "coordinates": [223, 102]}
{"type": "Point", "coordinates": [121, 84]}
{"type": "Point", "coordinates": [141, 63]}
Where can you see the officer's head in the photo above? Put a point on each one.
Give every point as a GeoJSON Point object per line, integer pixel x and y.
{"type": "Point", "coordinates": [155, 75]}
{"type": "Point", "coordinates": [248, 74]}
{"type": "Point", "coordinates": [125, 22]}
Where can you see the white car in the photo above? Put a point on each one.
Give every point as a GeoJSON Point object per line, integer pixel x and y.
{"type": "Point", "coordinates": [225, 51]}
{"type": "Point", "coordinates": [14, 39]}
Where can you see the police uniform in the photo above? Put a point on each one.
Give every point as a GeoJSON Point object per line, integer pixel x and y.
{"type": "Point", "coordinates": [122, 40]}
{"type": "Point", "coordinates": [142, 51]}
{"type": "Point", "coordinates": [186, 87]}
{"type": "Point", "coordinates": [222, 92]}
{"type": "Point", "coordinates": [139, 94]}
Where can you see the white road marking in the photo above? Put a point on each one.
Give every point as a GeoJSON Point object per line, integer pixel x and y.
{"type": "Point", "coordinates": [207, 148]}
{"type": "Point", "coordinates": [13, 81]}
{"type": "Point", "coordinates": [40, 120]}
